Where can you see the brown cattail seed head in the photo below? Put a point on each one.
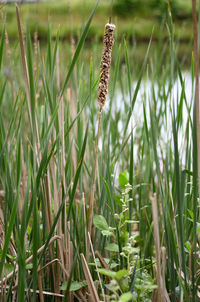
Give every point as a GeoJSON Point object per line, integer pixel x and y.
{"type": "Point", "coordinates": [105, 64]}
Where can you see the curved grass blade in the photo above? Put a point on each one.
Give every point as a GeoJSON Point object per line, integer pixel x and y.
{"type": "Point", "coordinates": [8, 234]}
{"type": "Point", "coordinates": [137, 87]}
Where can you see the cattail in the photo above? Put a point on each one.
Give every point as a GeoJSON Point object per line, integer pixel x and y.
{"type": "Point", "coordinates": [105, 64]}
{"type": "Point", "coordinates": [102, 94]}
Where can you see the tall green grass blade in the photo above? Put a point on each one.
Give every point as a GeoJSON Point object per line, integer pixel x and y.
{"type": "Point", "coordinates": [180, 188]}
{"type": "Point", "coordinates": [78, 171]}
{"type": "Point", "coordinates": [128, 69]}
{"type": "Point", "coordinates": [2, 45]}
{"type": "Point", "coordinates": [195, 206]}
{"type": "Point", "coordinates": [131, 182]}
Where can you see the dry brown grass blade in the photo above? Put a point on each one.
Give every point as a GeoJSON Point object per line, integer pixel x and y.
{"type": "Point", "coordinates": [90, 282]}
{"type": "Point", "coordinates": [160, 293]}
{"type": "Point", "coordinates": [101, 259]}
{"type": "Point", "coordinates": [163, 266]}
{"type": "Point", "coordinates": [35, 52]}
{"type": "Point", "coordinates": [69, 256]}
{"type": "Point", "coordinates": [40, 287]}
{"type": "Point", "coordinates": [43, 292]}
{"type": "Point", "coordinates": [9, 54]}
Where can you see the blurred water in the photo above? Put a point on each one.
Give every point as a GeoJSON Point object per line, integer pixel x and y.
{"type": "Point", "coordinates": [170, 105]}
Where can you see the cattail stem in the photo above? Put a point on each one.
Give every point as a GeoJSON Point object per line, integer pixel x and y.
{"type": "Point", "coordinates": [94, 175]}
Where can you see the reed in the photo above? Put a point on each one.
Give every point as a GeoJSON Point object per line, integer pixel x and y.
{"type": "Point", "coordinates": [74, 229]}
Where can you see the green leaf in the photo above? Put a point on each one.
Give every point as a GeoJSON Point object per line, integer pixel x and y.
{"type": "Point", "coordinates": [100, 223]}
{"type": "Point", "coordinates": [117, 198]}
{"type": "Point", "coordinates": [29, 266]}
{"type": "Point", "coordinates": [131, 250]}
{"type": "Point", "coordinates": [75, 285]}
{"type": "Point", "coordinates": [123, 180]}
{"type": "Point", "coordinates": [106, 272]}
{"type": "Point", "coordinates": [122, 273]}
{"type": "Point", "coordinates": [3, 4]}
{"type": "Point", "coordinates": [112, 247]}
{"type": "Point", "coordinates": [125, 297]}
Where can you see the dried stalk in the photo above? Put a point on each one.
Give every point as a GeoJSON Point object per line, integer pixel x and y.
{"type": "Point", "coordinates": [28, 260]}
{"type": "Point", "coordinates": [90, 282]}
{"type": "Point", "coordinates": [161, 293]}
{"type": "Point", "coordinates": [40, 287]}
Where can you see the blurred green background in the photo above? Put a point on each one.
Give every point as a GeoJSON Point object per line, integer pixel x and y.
{"type": "Point", "coordinates": [135, 21]}
{"type": "Point", "coordinates": [134, 18]}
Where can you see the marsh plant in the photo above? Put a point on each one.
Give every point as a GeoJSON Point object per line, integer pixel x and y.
{"type": "Point", "coordinates": [141, 240]}
{"type": "Point", "coordinates": [128, 279]}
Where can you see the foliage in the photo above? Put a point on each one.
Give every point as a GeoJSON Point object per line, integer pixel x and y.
{"type": "Point", "coordinates": [133, 276]}
{"type": "Point", "coordinates": [132, 7]}
{"type": "Point", "coordinates": [48, 119]}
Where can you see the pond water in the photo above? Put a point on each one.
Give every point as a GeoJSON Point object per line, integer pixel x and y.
{"type": "Point", "coordinates": [162, 100]}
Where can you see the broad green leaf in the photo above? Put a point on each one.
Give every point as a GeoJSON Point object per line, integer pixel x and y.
{"type": "Point", "coordinates": [100, 223]}
{"type": "Point", "coordinates": [106, 272]}
{"type": "Point", "coordinates": [123, 180]}
{"type": "Point", "coordinates": [122, 273]}
{"type": "Point", "coordinates": [112, 247]}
